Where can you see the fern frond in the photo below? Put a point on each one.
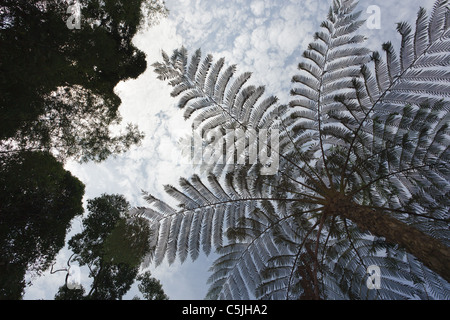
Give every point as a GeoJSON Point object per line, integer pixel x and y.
{"type": "Point", "coordinates": [330, 67]}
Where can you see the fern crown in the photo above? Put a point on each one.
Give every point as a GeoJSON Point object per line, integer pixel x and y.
{"type": "Point", "coordinates": [363, 141]}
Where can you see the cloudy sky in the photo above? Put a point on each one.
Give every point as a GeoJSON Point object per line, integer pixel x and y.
{"type": "Point", "coordinates": [266, 37]}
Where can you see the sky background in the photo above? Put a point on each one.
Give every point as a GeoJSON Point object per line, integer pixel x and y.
{"type": "Point", "coordinates": [266, 37]}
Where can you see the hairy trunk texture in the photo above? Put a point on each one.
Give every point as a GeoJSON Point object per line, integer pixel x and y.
{"type": "Point", "coordinates": [430, 251]}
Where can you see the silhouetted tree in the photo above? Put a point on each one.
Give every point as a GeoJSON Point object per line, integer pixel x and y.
{"type": "Point", "coordinates": [112, 245]}
{"type": "Point", "coordinates": [38, 200]}
{"type": "Point", "coordinates": [58, 83]}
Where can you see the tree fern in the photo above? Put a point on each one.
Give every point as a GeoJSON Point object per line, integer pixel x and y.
{"type": "Point", "coordinates": [363, 175]}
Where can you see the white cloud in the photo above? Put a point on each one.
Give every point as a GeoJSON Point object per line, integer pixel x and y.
{"type": "Point", "coordinates": [257, 7]}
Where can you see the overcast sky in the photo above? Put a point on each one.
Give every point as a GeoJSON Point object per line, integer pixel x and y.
{"type": "Point", "coordinates": [266, 37]}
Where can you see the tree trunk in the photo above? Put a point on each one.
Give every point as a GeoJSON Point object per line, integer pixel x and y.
{"type": "Point", "coordinates": [430, 251]}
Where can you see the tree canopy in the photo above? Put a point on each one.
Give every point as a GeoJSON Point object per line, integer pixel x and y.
{"type": "Point", "coordinates": [112, 245]}
{"type": "Point", "coordinates": [38, 200]}
{"type": "Point", "coordinates": [57, 78]}
{"type": "Point", "coordinates": [58, 82]}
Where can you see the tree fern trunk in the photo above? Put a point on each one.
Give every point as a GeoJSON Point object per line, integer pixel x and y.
{"type": "Point", "coordinates": [430, 251]}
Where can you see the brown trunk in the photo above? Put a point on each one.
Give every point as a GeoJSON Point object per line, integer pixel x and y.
{"type": "Point", "coordinates": [430, 251]}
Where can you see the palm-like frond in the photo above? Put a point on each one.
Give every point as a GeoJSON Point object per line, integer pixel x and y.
{"type": "Point", "coordinates": [210, 91]}
{"type": "Point", "coordinates": [206, 210]}
{"type": "Point", "coordinates": [215, 99]}
{"type": "Point", "coordinates": [400, 146]}
{"type": "Point", "coordinates": [363, 157]}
